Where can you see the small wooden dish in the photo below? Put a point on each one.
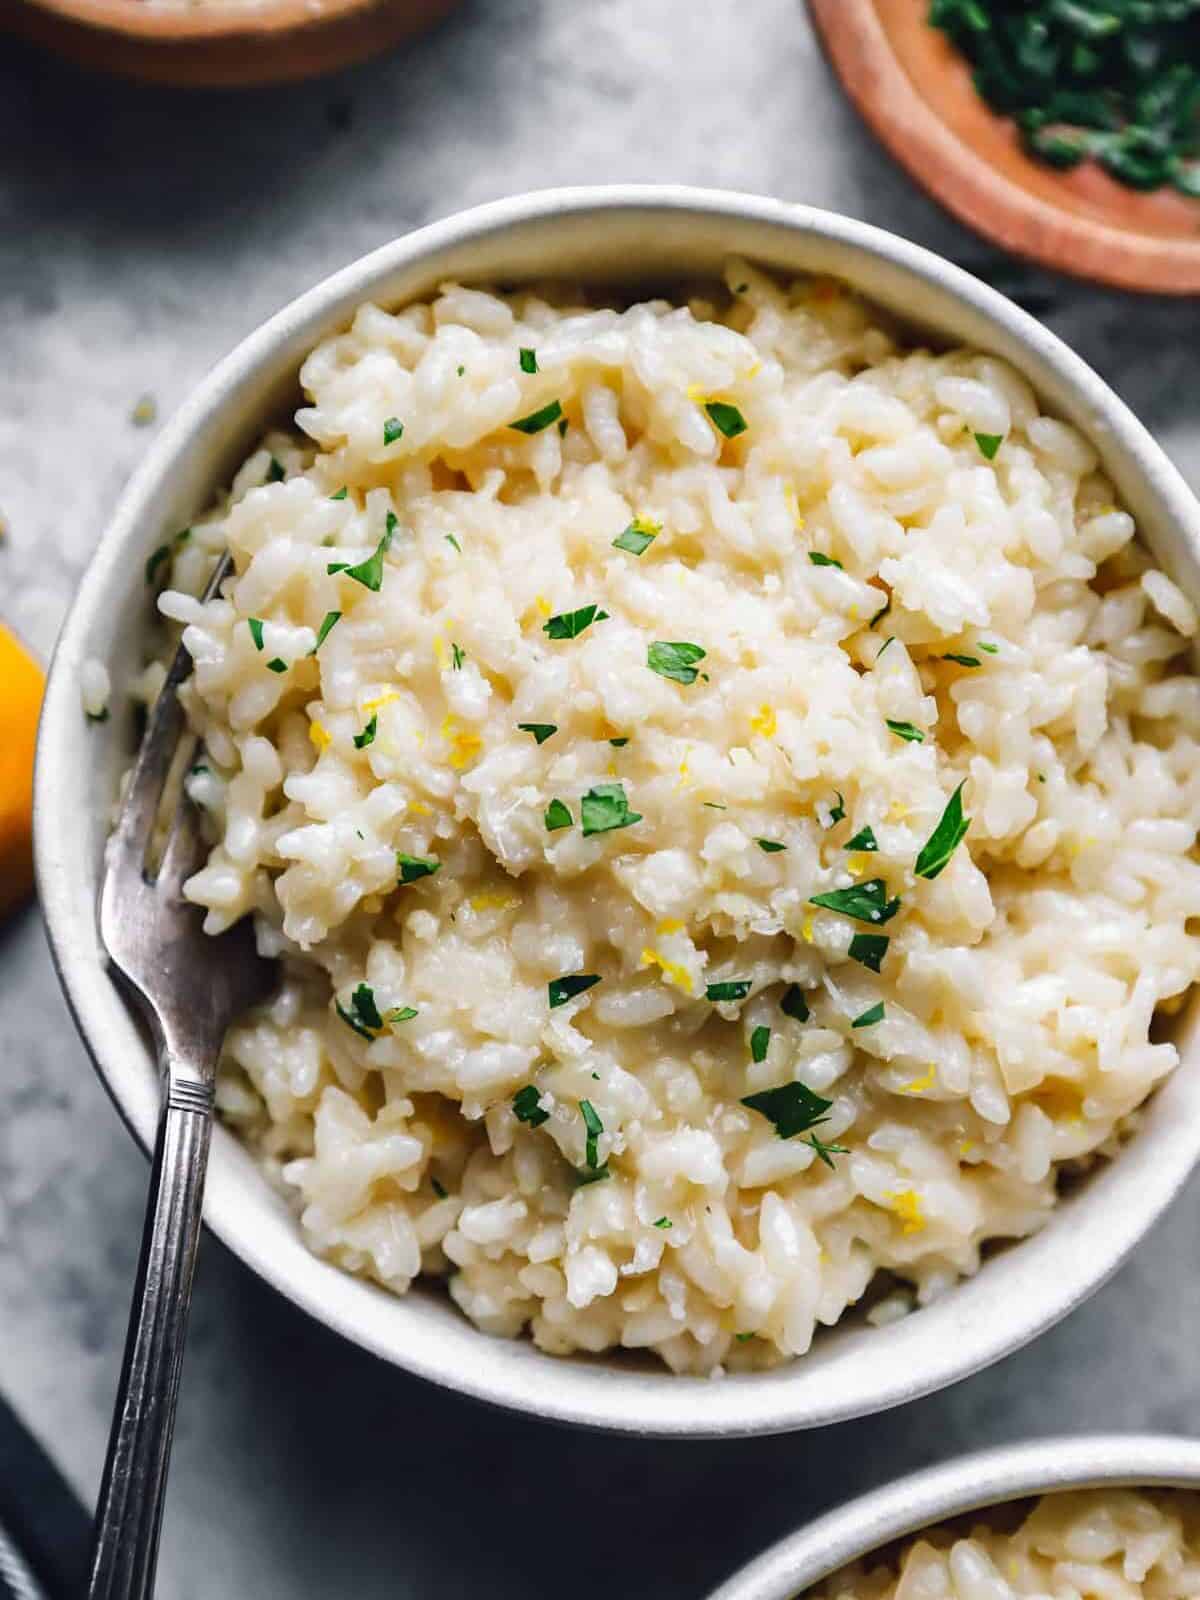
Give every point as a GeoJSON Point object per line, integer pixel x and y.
{"type": "Point", "coordinates": [915, 91]}
{"type": "Point", "coordinates": [235, 43]}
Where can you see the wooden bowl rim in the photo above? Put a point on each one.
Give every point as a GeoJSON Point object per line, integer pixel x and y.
{"type": "Point", "coordinates": [136, 19]}
{"type": "Point", "coordinates": [861, 54]}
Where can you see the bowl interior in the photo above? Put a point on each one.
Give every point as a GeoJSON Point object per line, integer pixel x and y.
{"type": "Point", "coordinates": [622, 237]}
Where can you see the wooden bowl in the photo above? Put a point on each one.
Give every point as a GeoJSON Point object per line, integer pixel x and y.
{"type": "Point", "coordinates": [232, 44]}
{"type": "Point", "coordinates": [915, 91]}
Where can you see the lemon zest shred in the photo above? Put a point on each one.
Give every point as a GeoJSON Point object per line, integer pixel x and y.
{"type": "Point", "coordinates": [966, 1147]}
{"type": "Point", "coordinates": [320, 735]}
{"type": "Point", "coordinates": [919, 1085]}
{"type": "Point", "coordinates": [673, 971]}
{"type": "Point", "coordinates": [685, 773]}
{"type": "Point", "coordinates": [380, 700]}
{"type": "Point", "coordinates": [907, 1206]}
{"type": "Point", "coordinates": [669, 926]}
{"type": "Point", "coordinates": [897, 811]}
{"type": "Point", "coordinates": [494, 902]}
{"type": "Point", "coordinates": [439, 652]}
{"type": "Point", "coordinates": [464, 747]}
{"type": "Point", "coordinates": [806, 929]}
{"type": "Point", "coordinates": [543, 605]}
{"type": "Point", "coordinates": [764, 721]}
{"type": "Point", "coordinates": [418, 808]}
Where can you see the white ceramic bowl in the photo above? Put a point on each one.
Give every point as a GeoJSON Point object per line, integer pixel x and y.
{"type": "Point", "coordinates": [991, 1478]}
{"type": "Point", "coordinates": [630, 236]}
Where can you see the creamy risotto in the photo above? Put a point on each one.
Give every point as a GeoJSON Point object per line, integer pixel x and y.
{"type": "Point", "coordinates": [724, 785]}
{"type": "Point", "coordinates": [1110, 1544]}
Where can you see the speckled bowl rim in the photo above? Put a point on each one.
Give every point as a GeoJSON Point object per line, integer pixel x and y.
{"type": "Point", "coordinates": [989, 1478]}
{"type": "Point", "coordinates": [595, 233]}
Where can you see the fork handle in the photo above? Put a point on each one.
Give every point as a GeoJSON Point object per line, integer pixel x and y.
{"type": "Point", "coordinates": [130, 1503]}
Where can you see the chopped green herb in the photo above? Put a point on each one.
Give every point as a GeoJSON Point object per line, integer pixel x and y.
{"type": "Point", "coordinates": [619, 744]}
{"type": "Point", "coordinates": [197, 769]}
{"type": "Point", "coordinates": [363, 1014]}
{"type": "Point", "coordinates": [367, 736]}
{"type": "Point", "coordinates": [276, 665]}
{"type": "Point", "coordinates": [945, 838]}
{"type": "Point", "coordinates": [370, 572]}
{"type": "Point", "coordinates": [582, 1179]}
{"type": "Point", "coordinates": [793, 1108]}
{"type": "Point", "coordinates": [794, 1004]}
{"type": "Point", "coordinates": [155, 560]}
{"type": "Point", "coordinates": [742, 1338]}
{"type": "Point", "coordinates": [570, 624]}
{"type": "Point", "coordinates": [725, 418]}
{"type": "Point", "coordinates": [728, 989]}
{"type": "Point", "coordinates": [450, 539]}
{"type": "Point", "coordinates": [963, 661]}
{"type": "Point", "coordinates": [557, 816]}
{"type": "Point", "coordinates": [527, 1107]}
{"type": "Point", "coordinates": [825, 1152]}
{"type": "Point", "coordinates": [714, 805]}
{"type": "Point", "coordinates": [392, 430]}
{"type": "Point", "coordinates": [663, 1222]}
{"type": "Point", "coordinates": [457, 657]}
{"type": "Point", "coordinates": [541, 731]}
{"type": "Point", "coordinates": [837, 812]}
{"type": "Point", "coordinates": [637, 537]}
{"type": "Point", "coordinates": [905, 730]}
{"type": "Point", "coordinates": [771, 847]}
{"type": "Point", "coordinates": [1041, 777]}
{"type": "Point", "coordinates": [992, 649]}
{"type": "Point", "coordinates": [351, 1021]}
{"type": "Point", "coordinates": [882, 612]}
{"type": "Point", "coordinates": [818, 560]}
{"type": "Point", "coordinates": [594, 1129]}
{"type": "Point", "coordinates": [275, 472]}
{"type": "Point", "coordinates": [256, 631]}
{"type": "Point", "coordinates": [674, 660]}
{"type": "Point", "coordinates": [411, 868]}
{"type": "Point", "coordinates": [102, 716]}
{"type": "Point", "coordinates": [439, 1189]}
{"type": "Point", "coordinates": [528, 359]}
{"type": "Point", "coordinates": [864, 839]}
{"type": "Point", "coordinates": [330, 621]}
{"type": "Point", "coordinates": [760, 1039]}
{"type": "Point", "coordinates": [604, 808]}
{"type": "Point", "coordinates": [866, 902]}
{"type": "Point", "coordinates": [988, 444]}
{"type": "Point", "coordinates": [891, 639]}
{"type": "Point", "coordinates": [537, 420]}
{"type": "Point", "coordinates": [460, 370]}
{"type": "Point", "coordinates": [869, 949]}
{"type": "Point", "coordinates": [560, 990]}
{"type": "Point", "coordinates": [340, 494]}
{"type": "Point", "coordinates": [562, 434]}
{"type": "Point", "coordinates": [399, 1014]}
{"type": "Point", "coordinates": [872, 1015]}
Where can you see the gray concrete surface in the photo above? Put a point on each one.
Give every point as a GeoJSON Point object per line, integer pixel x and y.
{"type": "Point", "coordinates": [142, 232]}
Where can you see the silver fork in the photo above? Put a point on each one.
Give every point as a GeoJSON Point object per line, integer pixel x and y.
{"type": "Point", "coordinates": [190, 987]}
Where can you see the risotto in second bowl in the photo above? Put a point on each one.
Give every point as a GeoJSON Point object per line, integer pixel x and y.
{"type": "Point", "coordinates": [725, 787]}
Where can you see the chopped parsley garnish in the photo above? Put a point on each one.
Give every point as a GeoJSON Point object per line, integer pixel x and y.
{"type": "Point", "coordinates": [582, 1179]}
{"type": "Point", "coordinates": [392, 430]}
{"type": "Point", "coordinates": [256, 631]}
{"type": "Point", "coordinates": [330, 621]}
{"type": "Point", "coordinates": [714, 805]}
{"type": "Point", "coordinates": [541, 731]}
{"type": "Point", "coordinates": [619, 744]}
{"type": "Point", "coordinates": [562, 434]}
{"type": "Point", "coordinates": [793, 1108]}
{"type": "Point", "coordinates": [905, 730]}
{"type": "Point", "coordinates": [275, 473]}
{"type": "Point", "coordinates": [370, 572]}
{"type": "Point", "coordinates": [276, 665]}
{"type": "Point", "coordinates": [637, 537]}
{"type": "Point", "coordinates": [595, 1128]}
{"type": "Point", "coordinates": [818, 560]}
{"type": "Point", "coordinates": [604, 808]}
{"type": "Point", "coordinates": [825, 1152]}
{"type": "Point", "coordinates": [411, 868]}
{"type": "Point", "coordinates": [557, 816]}
{"type": "Point", "coordinates": [744, 1338]}
{"type": "Point", "coordinates": [399, 1014]}
{"type": "Point", "coordinates": [155, 560]}
{"type": "Point", "coordinates": [794, 1004]}
{"type": "Point", "coordinates": [674, 660]}
{"type": "Point", "coordinates": [726, 419]}
{"type": "Point", "coordinates": [728, 989]}
{"type": "Point", "coordinates": [770, 847]}
{"type": "Point", "coordinates": [570, 624]}
{"type": "Point", "coordinates": [367, 736]}
{"type": "Point", "coordinates": [963, 661]}
{"type": "Point", "coordinates": [872, 1015]}
{"type": "Point", "coordinates": [460, 370]}
{"type": "Point", "coordinates": [537, 420]}
{"type": "Point", "coordinates": [869, 949]}
{"type": "Point", "coordinates": [340, 494]}
{"type": "Point", "coordinates": [438, 1188]}
{"type": "Point", "coordinates": [866, 902]}
{"type": "Point", "coordinates": [450, 539]}
{"type": "Point", "coordinates": [891, 639]}
{"type": "Point", "coordinates": [560, 990]}
{"type": "Point", "coordinates": [945, 838]}
{"type": "Point", "coordinates": [992, 649]}
{"type": "Point", "coordinates": [363, 1014]}
{"type": "Point", "coordinates": [197, 769]}
{"type": "Point", "coordinates": [528, 359]}
{"type": "Point", "coordinates": [102, 716]}
{"type": "Point", "coordinates": [662, 1222]}
{"type": "Point", "coordinates": [837, 812]}
{"type": "Point", "coordinates": [988, 444]}
{"type": "Point", "coordinates": [760, 1039]}
{"type": "Point", "coordinates": [527, 1107]}
{"type": "Point", "coordinates": [864, 839]}
{"type": "Point", "coordinates": [457, 657]}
